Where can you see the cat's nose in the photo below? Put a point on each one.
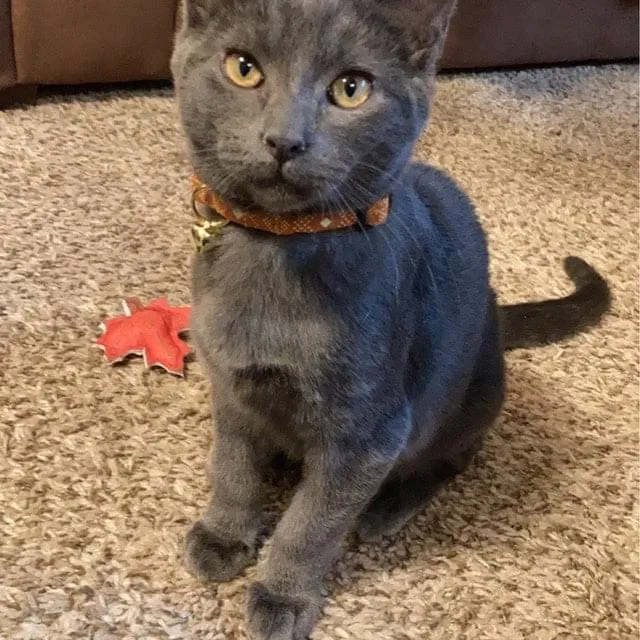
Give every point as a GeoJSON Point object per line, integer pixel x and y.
{"type": "Point", "coordinates": [283, 148]}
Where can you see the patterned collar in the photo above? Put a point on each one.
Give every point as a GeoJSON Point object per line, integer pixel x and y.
{"type": "Point", "coordinates": [213, 214]}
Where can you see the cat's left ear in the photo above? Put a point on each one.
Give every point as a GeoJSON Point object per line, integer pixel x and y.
{"type": "Point", "coordinates": [425, 23]}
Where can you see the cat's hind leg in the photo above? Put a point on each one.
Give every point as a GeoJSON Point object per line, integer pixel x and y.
{"type": "Point", "coordinates": [399, 499]}
{"type": "Point", "coordinates": [412, 484]}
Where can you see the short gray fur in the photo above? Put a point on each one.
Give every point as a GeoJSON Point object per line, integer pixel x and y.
{"type": "Point", "coordinates": [374, 357]}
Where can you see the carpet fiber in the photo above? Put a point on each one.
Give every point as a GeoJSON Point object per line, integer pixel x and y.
{"type": "Point", "coordinates": [101, 468]}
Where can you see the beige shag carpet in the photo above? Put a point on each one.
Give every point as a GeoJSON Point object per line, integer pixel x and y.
{"type": "Point", "coordinates": [101, 468]}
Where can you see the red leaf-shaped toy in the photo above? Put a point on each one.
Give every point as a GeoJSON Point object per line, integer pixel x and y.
{"type": "Point", "coordinates": [151, 331]}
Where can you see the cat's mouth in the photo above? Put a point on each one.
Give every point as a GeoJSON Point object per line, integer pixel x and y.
{"type": "Point", "coordinates": [282, 191]}
{"type": "Point", "coordinates": [270, 188]}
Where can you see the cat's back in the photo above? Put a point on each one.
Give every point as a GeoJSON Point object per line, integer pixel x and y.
{"type": "Point", "coordinates": [446, 223]}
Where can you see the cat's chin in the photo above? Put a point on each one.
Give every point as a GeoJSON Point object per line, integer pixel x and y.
{"type": "Point", "coordinates": [279, 197]}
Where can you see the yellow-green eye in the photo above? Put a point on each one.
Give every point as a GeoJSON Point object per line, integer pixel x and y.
{"type": "Point", "coordinates": [350, 90]}
{"type": "Point", "coordinates": [243, 70]}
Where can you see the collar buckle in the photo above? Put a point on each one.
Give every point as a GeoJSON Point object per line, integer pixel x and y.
{"type": "Point", "coordinates": [202, 231]}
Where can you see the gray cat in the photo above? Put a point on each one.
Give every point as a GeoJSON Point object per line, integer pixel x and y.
{"type": "Point", "coordinates": [371, 355]}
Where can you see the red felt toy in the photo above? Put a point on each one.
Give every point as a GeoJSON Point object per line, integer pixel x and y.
{"type": "Point", "coordinates": [152, 331]}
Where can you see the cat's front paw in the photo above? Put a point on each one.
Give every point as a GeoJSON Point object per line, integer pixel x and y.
{"type": "Point", "coordinates": [374, 525]}
{"type": "Point", "coordinates": [210, 557]}
{"type": "Point", "coordinates": [277, 616]}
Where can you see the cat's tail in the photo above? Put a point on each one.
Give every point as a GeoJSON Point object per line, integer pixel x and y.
{"type": "Point", "coordinates": [534, 324]}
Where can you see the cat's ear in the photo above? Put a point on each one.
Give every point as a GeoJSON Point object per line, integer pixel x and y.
{"type": "Point", "coordinates": [196, 12]}
{"type": "Point", "coordinates": [425, 24]}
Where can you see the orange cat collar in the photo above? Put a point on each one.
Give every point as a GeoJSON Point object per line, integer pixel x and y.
{"type": "Point", "coordinates": [206, 203]}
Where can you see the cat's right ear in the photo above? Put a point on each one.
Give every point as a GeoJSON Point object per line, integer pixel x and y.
{"type": "Point", "coordinates": [195, 13]}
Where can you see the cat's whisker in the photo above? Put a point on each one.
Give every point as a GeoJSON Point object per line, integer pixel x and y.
{"type": "Point", "coordinates": [346, 206]}
{"type": "Point", "coordinates": [394, 178]}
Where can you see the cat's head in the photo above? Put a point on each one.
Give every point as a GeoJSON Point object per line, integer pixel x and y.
{"type": "Point", "coordinates": [296, 104]}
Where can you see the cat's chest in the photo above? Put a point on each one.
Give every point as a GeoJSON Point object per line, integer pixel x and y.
{"type": "Point", "coordinates": [252, 330]}
{"type": "Point", "coordinates": [252, 311]}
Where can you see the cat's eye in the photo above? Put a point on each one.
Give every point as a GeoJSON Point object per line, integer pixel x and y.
{"type": "Point", "coordinates": [243, 70]}
{"type": "Point", "coordinates": [350, 90]}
